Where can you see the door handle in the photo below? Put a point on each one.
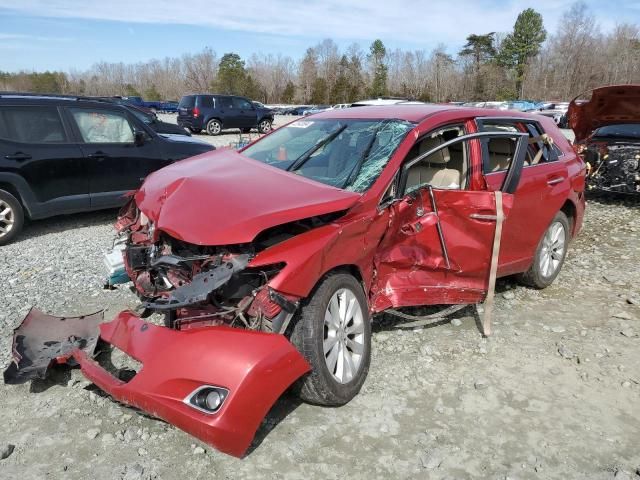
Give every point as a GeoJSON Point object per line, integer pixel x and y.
{"type": "Point", "coordinates": [18, 156]}
{"type": "Point", "coordinates": [555, 181]}
{"type": "Point", "coordinates": [482, 216]}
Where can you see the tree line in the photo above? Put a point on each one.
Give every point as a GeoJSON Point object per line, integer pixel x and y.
{"type": "Point", "coordinates": [526, 62]}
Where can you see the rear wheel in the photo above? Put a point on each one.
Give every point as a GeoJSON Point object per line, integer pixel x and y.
{"type": "Point", "coordinates": [550, 254]}
{"type": "Point", "coordinates": [333, 332]}
{"type": "Point", "coordinates": [214, 127]}
{"type": "Point", "coordinates": [264, 126]}
{"type": "Point", "coordinates": [11, 217]}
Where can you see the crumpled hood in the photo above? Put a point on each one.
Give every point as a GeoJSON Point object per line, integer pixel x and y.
{"type": "Point", "coordinates": [224, 198]}
{"type": "Point", "coordinates": [608, 105]}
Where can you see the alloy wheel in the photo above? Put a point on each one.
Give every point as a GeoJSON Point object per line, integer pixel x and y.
{"type": "Point", "coordinates": [553, 247]}
{"type": "Point", "coordinates": [7, 218]}
{"type": "Point", "coordinates": [265, 126]}
{"type": "Point", "coordinates": [214, 128]}
{"type": "Point", "coordinates": [344, 337]}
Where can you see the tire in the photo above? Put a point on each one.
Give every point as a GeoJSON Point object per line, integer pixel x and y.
{"type": "Point", "coordinates": [214, 127]}
{"type": "Point", "coordinates": [11, 217]}
{"type": "Point", "coordinates": [265, 126]}
{"type": "Point", "coordinates": [550, 254]}
{"type": "Point", "coordinates": [327, 385]}
{"type": "Point", "coordinates": [195, 130]}
{"type": "Point", "coordinates": [245, 130]}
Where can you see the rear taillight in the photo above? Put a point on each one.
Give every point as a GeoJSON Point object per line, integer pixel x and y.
{"type": "Point", "coordinates": [196, 111]}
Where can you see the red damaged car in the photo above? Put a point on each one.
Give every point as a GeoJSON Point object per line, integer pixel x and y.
{"type": "Point", "coordinates": [269, 264]}
{"type": "Point", "coordinates": [607, 129]}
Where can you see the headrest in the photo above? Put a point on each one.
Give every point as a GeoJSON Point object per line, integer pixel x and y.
{"type": "Point", "coordinates": [429, 143]}
{"type": "Point", "coordinates": [501, 146]}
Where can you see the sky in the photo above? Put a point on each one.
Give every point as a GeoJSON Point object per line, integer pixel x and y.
{"type": "Point", "coordinates": [38, 35]}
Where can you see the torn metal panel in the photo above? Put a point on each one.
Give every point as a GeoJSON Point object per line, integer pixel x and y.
{"type": "Point", "coordinates": [253, 368]}
{"type": "Point", "coordinates": [42, 339]}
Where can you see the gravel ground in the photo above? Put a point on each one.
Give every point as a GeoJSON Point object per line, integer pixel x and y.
{"type": "Point", "coordinates": [555, 393]}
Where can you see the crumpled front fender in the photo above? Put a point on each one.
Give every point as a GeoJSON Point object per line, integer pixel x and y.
{"type": "Point", "coordinates": [255, 368]}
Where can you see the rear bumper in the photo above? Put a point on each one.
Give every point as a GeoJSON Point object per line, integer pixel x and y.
{"type": "Point", "coordinates": [189, 122]}
{"type": "Point", "coordinates": [255, 368]}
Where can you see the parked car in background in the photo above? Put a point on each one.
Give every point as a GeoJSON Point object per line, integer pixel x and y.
{"type": "Point", "coordinates": [381, 101]}
{"type": "Point", "coordinates": [297, 111]}
{"type": "Point", "coordinates": [148, 117]}
{"type": "Point", "coordinates": [153, 105]}
{"type": "Point", "coordinates": [63, 155]}
{"type": "Point", "coordinates": [215, 113]}
{"type": "Point", "coordinates": [607, 129]}
{"type": "Point", "coordinates": [316, 109]}
{"type": "Point", "coordinates": [555, 110]}
{"type": "Point", "coordinates": [339, 106]}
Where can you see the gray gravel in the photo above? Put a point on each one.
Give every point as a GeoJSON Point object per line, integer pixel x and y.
{"type": "Point", "coordinates": [439, 402]}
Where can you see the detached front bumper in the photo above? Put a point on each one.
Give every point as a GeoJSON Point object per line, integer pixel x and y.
{"type": "Point", "coordinates": [254, 368]}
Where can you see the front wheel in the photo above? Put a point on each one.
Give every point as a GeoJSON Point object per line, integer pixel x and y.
{"type": "Point", "coordinates": [333, 333]}
{"type": "Point", "coordinates": [264, 126]}
{"type": "Point", "coordinates": [550, 254]}
{"type": "Point", "coordinates": [11, 217]}
{"type": "Point", "coordinates": [214, 127]}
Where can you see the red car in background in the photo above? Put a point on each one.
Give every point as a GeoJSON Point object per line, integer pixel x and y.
{"type": "Point", "coordinates": [607, 129]}
{"type": "Point", "coordinates": [270, 263]}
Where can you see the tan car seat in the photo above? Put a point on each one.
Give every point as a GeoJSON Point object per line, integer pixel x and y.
{"type": "Point", "coordinates": [501, 152]}
{"type": "Point", "coordinates": [433, 169]}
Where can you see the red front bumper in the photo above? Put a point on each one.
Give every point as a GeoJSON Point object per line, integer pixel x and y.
{"type": "Point", "coordinates": [255, 368]}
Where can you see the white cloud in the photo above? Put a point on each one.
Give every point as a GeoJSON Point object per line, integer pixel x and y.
{"type": "Point", "coordinates": [20, 37]}
{"type": "Point", "coordinates": [414, 21]}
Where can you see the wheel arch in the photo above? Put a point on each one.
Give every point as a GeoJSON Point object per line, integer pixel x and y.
{"type": "Point", "coordinates": [18, 187]}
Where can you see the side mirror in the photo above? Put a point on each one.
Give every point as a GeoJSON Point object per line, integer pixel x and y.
{"type": "Point", "coordinates": [139, 138]}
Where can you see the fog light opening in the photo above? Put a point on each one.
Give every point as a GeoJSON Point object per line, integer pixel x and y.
{"type": "Point", "coordinates": [207, 398]}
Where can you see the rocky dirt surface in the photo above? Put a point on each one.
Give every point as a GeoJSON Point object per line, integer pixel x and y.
{"type": "Point", "coordinates": [555, 393]}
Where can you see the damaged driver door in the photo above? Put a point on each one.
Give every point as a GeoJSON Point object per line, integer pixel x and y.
{"type": "Point", "coordinates": [440, 240]}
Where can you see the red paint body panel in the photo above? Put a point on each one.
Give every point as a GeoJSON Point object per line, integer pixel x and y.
{"type": "Point", "coordinates": [410, 261]}
{"type": "Point", "coordinates": [608, 105]}
{"type": "Point", "coordinates": [255, 367]}
{"type": "Point", "coordinates": [223, 198]}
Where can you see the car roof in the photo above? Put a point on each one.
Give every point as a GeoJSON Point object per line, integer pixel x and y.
{"type": "Point", "coordinates": [14, 98]}
{"type": "Point", "coordinates": [415, 113]}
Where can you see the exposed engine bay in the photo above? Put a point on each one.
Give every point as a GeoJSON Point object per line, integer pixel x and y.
{"type": "Point", "coordinates": [613, 168]}
{"type": "Point", "coordinates": [195, 285]}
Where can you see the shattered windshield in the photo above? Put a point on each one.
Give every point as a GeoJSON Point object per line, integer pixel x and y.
{"type": "Point", "coordinates": [344, 153]}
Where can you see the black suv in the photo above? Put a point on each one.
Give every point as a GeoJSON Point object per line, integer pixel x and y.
{"type": "Point", "coordinates": [63, 155]}
{"type": "Point", "coordinates": [215, 113]}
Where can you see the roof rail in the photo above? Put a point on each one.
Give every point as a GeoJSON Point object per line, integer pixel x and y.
{"type": "Point", "coordinates": [52, 96]}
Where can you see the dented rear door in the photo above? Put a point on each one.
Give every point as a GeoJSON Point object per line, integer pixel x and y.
{"type": "Point", "coordinates": [438, 247]}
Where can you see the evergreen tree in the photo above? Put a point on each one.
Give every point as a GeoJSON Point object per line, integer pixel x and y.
{"type": "Point", "coordinates": [524, 43]}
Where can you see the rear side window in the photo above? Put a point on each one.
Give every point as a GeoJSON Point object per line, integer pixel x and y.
{"type": "Point", "coordinates": [102, 126]}
{"type": "Point", "coordinates": [206, 101]}
{"type": "Point", "coordinates": [500, 151]}
{"type": "Point", "coordinates": [31, 125]}
{"type": "Point", "coordinates": [241, 103]}
{"type": "Point", "coordinates": [225, 102]}
{"type": "Point", "coordinates": [188, 101]}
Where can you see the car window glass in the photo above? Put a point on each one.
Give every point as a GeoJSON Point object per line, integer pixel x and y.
{"type": "Point", "coordinates": [188, 101]}
{"type": "Point", "coordinates": [500, 150]}
{"type": "Point", "coordinates": [102, 126]}
{"type": "Point", "coordinates": [348, 154]}
{"type": "Point", "coordinates": [206, 101]}
{"type": "Point", "coordinates": [445, 168]}
{"type": "Point", "coordinates": [241, 103]}
{"type": "Point", "coordinates": [31, 125]}
{"type": "Point", "coordinates": [225, 102]}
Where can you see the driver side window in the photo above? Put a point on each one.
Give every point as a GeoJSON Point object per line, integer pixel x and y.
{"type": "Point", "coordinates": [445, 168]}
